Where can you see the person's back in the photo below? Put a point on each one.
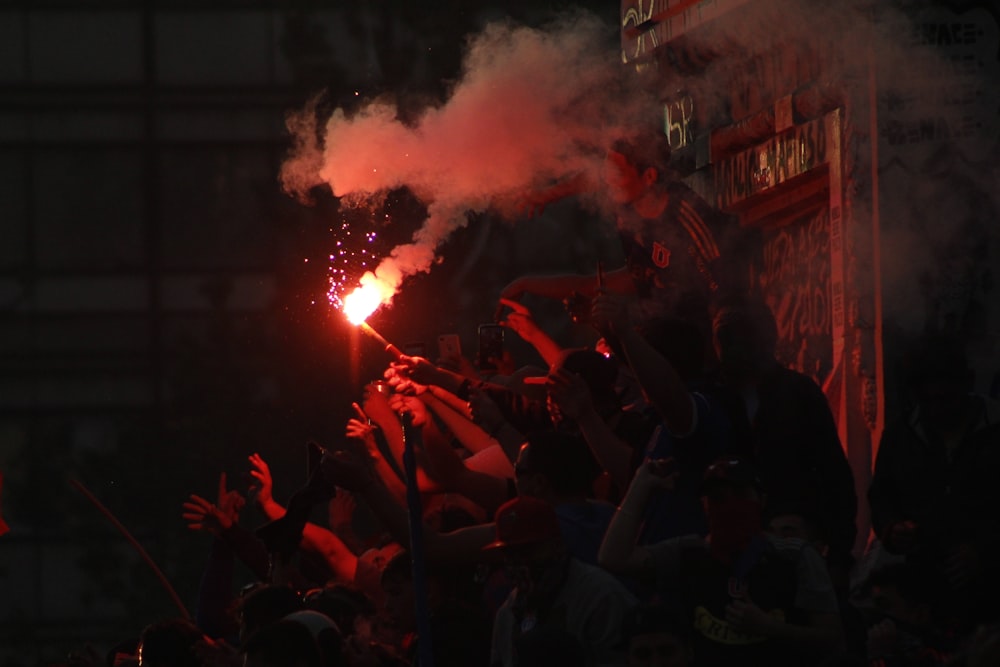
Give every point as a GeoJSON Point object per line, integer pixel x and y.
{"type": "Point", "coordinates": [782, 420]}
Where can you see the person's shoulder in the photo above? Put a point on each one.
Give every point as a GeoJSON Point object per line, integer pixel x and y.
{"type": "Point", "coordinates": [680, 192]}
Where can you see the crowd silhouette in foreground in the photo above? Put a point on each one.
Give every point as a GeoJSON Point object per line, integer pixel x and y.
{"type": "Point", "coordinates": [671, 495]}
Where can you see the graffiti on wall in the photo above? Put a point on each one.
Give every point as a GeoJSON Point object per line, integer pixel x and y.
{"type": "Point", "coordinates": [793, 276]}
{"type": "Point", "coordinates": [772, 163]}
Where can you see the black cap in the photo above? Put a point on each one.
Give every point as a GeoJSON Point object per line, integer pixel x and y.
{"type": "Point", "coordinates": [732, 471]}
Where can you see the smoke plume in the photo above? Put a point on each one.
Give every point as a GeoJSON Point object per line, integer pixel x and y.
{"type": "Point", "coordinates": [532, 106]}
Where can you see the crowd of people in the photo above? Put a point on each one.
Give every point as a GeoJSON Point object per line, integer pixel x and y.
{"type": "Point", "coordinates": [671, 495]}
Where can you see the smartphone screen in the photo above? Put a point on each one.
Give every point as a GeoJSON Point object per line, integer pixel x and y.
{"type": "Point", "coordinates": [490, 346]}
{"type": "Point", "coordinates": [449, 346]}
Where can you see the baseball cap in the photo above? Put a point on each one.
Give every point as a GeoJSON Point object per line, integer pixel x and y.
{"type": "Point", "coordinates": [524, 521]}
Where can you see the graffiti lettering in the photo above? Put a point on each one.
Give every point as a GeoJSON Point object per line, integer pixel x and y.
{"type": "Point", "coordinates": [775, 161]}
{"type": "Point", "coordinates": [948, 34]}
{"type": "Point", "coordinates": [677, 116]}
{"type": "Point", "coordinates": [794, 278]}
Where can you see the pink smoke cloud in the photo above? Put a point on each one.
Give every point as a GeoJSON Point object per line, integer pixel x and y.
{"type": "Point", "coordinates": [532, 106]}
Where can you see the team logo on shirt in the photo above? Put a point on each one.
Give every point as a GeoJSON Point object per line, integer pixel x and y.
{"type": "Point", "coordinates": [720, 631]}
{"type": "Point", "coordinates": [661, 255]}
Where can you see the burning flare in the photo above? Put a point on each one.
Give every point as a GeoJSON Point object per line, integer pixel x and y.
{"type": "Point", "coordinates": [365, 300]}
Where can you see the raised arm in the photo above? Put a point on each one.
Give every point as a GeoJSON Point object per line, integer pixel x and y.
{"type": "Point", "coordinates": [361, 430]}
{"type": "Point", "coordinates": [346, 468]}
{"type": "Point", "coordinates": [663, 387]}
{"type": "Point", "coordinates": [460, 423]}
{"type": "Point", "coordinates": [570, 393]}
{"type": "Point", "coordinates": [521, 322]}
{"type": "Point", "coordinates": [619, 552]}
{"type": "Point", "coordinates": [341, 560]}
{"type": "Point", "coordinates": [451, 472]}
{"type": "Point", "coordinates": [560, 286]}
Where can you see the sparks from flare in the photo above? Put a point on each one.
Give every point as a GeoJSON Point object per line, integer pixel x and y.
{"type": "Point", "coordinates": [347, 261]}
{"type": "Point", "coordinates": [360, 304]}
{"type": "Point", "coordinates": [362, 301]}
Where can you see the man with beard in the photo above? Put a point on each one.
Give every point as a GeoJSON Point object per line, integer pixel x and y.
{"type": "Point", "coordinates": [747, 598]}
{"type": "Point", "coordinates": [554, 592]}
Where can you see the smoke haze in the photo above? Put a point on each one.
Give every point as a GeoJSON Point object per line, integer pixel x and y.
{"type": "Point", "coordinates": [536, 105]}
{"type": "Point", "coordinates": [532, 106]}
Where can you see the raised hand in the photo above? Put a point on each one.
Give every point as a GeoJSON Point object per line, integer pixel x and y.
{"type": "Point", "coordinates": [398, 378]}
{"type": "Point", "coordinates": [657, 473]}
{"type": "Point", "coordinates": [203, 515]}
{"type": "Point", "coordinates": [214, 518]}
{"type": "Point", "coordinates": [409, 405]}
{"type": "Point", "coordinates": [570, 394]}
{"type": "Point", "coordinates": [519, 319]}
{"type": "Point", "coordinates": [360, 429]}
{"type": "Point", "coordinates": [229, 502]}
{"type": "Point", "coordinates": [416, 369]}
{"type": "Point", "coordinates": [262, 474]}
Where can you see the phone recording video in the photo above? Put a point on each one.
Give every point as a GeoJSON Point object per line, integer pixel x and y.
{"type": "Point", "coordinates": [449, 346]}
{"type": "Point", "coordinates": [490, 346]}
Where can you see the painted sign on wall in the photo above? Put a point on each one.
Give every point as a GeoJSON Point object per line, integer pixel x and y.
{"type": "Point", "coordinates": [773, 162]}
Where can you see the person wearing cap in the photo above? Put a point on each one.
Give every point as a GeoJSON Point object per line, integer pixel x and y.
{"type": "Point", "coordinates": [747, 597]}
{"type": "Point", "coordinates": [553, 590]}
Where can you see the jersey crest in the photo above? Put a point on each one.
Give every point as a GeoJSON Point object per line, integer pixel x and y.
{"type": "Point", "coordinates": [661, 255]}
